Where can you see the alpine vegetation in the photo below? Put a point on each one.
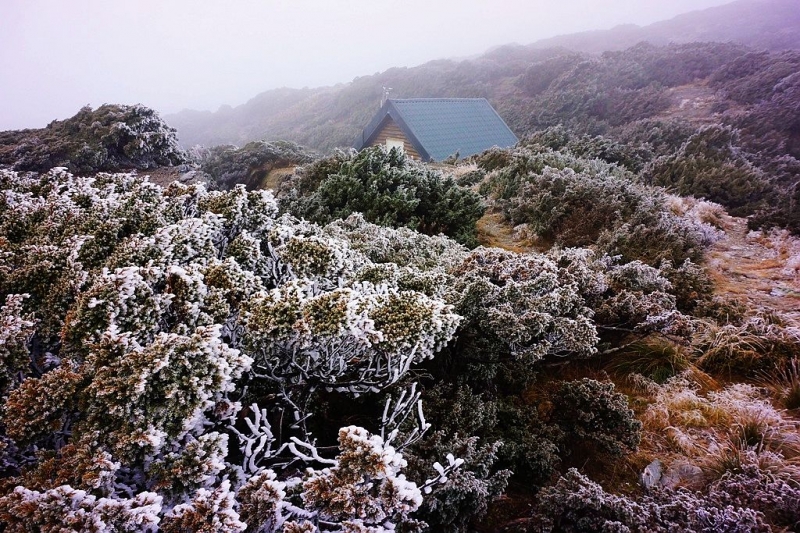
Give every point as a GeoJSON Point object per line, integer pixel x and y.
{"type": "Point", "coordinates": [594, 330]}
{"type": "Point", "coordinates": [166, 351]}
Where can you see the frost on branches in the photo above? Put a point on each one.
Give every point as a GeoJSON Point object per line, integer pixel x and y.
{"type": "Point", "coordinates": [137, 323]}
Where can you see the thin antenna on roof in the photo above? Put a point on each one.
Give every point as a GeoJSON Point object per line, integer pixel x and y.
{"type": "Point", "coordinates": [386, 91]}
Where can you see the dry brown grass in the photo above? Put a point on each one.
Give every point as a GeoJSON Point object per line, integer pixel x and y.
{"type": "Point", "coordinates": [760, 269]}
{"type": "Point", "coordinates": [784, 384]}
{"type": "Point", "coordinates": [716, 431]}
{"type": "Point", "coordinates": [495, 232]}
{"type": "Point", "coordinates": [274, 177]}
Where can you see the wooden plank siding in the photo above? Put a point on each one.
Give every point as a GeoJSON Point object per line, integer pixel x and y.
{"type": "Point", "coordinates": [390, 130]}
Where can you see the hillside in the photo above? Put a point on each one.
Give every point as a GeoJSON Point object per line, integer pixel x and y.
{"type": "Point", "coordinates": [712, 120]}
{"type": "Point", "coordinates": [328, 117]}
{"type": "Point", "coordinates": [760, 24]}
{"type": "Point", "coordinates": [177, 357]}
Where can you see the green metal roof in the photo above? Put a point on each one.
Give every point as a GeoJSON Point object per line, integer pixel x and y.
{"type": "Point", "coordinates": [440, 127]}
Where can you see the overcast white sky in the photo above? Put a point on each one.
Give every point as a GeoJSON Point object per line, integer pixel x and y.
{"type": "Point", "coordinates": [59, 55]}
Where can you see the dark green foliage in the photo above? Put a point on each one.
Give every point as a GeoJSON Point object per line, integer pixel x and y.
{"type": "Point", "coordinates": [629, 156]}
{"type": "Point", "coordinates": [710, 165]}
{"type": "Point", "coordinates": [389, 190]}
{"type": "Point", "coordinates": [466, 495]}
{"type": "Point", "coordinates": [662, 136]}
{"type": "Point", "coordinates": [112, 137]}
{"type": "Point", "coordinates": [533, 447]}
{"type": "Point", "coordinates": [249, 165]}
{"type": "Point", "coordinates": [592, 413]}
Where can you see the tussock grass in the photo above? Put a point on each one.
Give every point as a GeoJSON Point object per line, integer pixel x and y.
{"type": "Point", "coordinates": [784, 384]}
{"type": "Point", "coordinates": [656, 358]}
{"type": "Point", "coordinates": [759, 342]}
{"type": "Point", "coordinates": [719, 431]}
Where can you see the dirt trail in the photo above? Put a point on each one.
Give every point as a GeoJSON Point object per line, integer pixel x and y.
{"type": "Point", "coordinates": [753, 268]}
{"type": "Point", "coordinates": [494, 231]}
{"type": "Point", "coordinates": [749, 267]}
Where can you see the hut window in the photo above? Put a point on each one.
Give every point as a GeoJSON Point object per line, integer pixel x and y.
{"type": "Point", "coordinates": [395, 143]}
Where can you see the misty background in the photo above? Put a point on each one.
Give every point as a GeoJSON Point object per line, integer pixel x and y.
{"type": "Point", "coordinates": [59, 56]}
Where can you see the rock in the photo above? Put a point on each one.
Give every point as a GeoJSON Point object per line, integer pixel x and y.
{"type": "Point", "coordinates": [651, 475]}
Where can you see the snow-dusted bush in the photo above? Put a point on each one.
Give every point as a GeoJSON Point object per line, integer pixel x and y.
{"type": "Point", "coordinates": [67, 509]}
{"type": "Point", "coordinates": [249, 165]}
{"type": "Point", "coordinates": [111, 137]}
{"type": "Point", "coordinates": [591, 412]}
{"type": "Point", "coordinates": [388, 189]}
{"type": "Point", "coordinates": [572, 201]}
{"type": "Point", "coordinates": [138, 321]}
{"type": "Point", "coordinates": [523, 304]}
{"type": "Point", "coordinates": [711, 164]}
{"type": "Point", "coordinates": [577, 504]}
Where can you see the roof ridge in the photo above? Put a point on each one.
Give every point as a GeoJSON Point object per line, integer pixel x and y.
{"type": "Point", "coordinates": [434, 99]}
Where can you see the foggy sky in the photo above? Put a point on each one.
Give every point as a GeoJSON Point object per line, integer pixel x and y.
{"type": "Point", "coordinates": [59, 55]}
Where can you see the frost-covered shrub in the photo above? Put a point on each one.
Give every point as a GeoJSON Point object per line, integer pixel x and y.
{"type": "Point", "coordinates": [532, 444]}
{"type": "Point", "coordinates": [354, 339]}
{"type": "Point", "coordinates": [111, 137]}
{"type": "Point", "coordinates": [464, 422]}
{"type": "Point", "coordinates": [633, 296]}
{"type": "Point", "coordinates": [390, 190]}
{"type": "Point", "coordinates": [366, 483]}
{"type": "Point", "coordinates": [465, 497]}
{"type": "Point", "coordinates": [250, 164]}
{"type": "Point", "coordinates": [711, 165]}
{"type": "Point", "coordinates": [523, 305]}
{"type": "Point", "coordinates": [171, 310]}
{"type": "Point", "coordinates": [570, 201]}
{"type": "Point", "coordinates": [16, 330]}
{"type": "Point", "coordinates": [66, 509]}
{"type": "Point", "coordinates": [402, 246]}
{"type": "Point", "coordinates": [691, 285]}
{"type": "Point", "coordinates": [776, 495]}
{"type": "Point", "coordinates": [210, 511]}
{"type": "Point", "coordinates": [577, 504]}
{"type": "Point", "coordinates": [592, 412]}
{"type": "Point", "coordinates": [629, 156]}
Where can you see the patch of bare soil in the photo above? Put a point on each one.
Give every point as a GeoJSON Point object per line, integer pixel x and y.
{"type": "Point", "coordinates": [275, 176]}
{"type": "Point", "coordinates": [693, 102]}
{"type": "Point", "coordinates": [494, 231]}
{"type": "Point", "coordinates": [753, 268]}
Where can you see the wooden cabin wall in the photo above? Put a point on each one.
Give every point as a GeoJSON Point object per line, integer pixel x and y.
{"type": "Point", "coordinates": [390, 130]}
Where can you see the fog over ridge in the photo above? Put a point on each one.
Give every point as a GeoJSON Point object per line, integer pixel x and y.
{"type": "Point", "coordinates": [58, 56]}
